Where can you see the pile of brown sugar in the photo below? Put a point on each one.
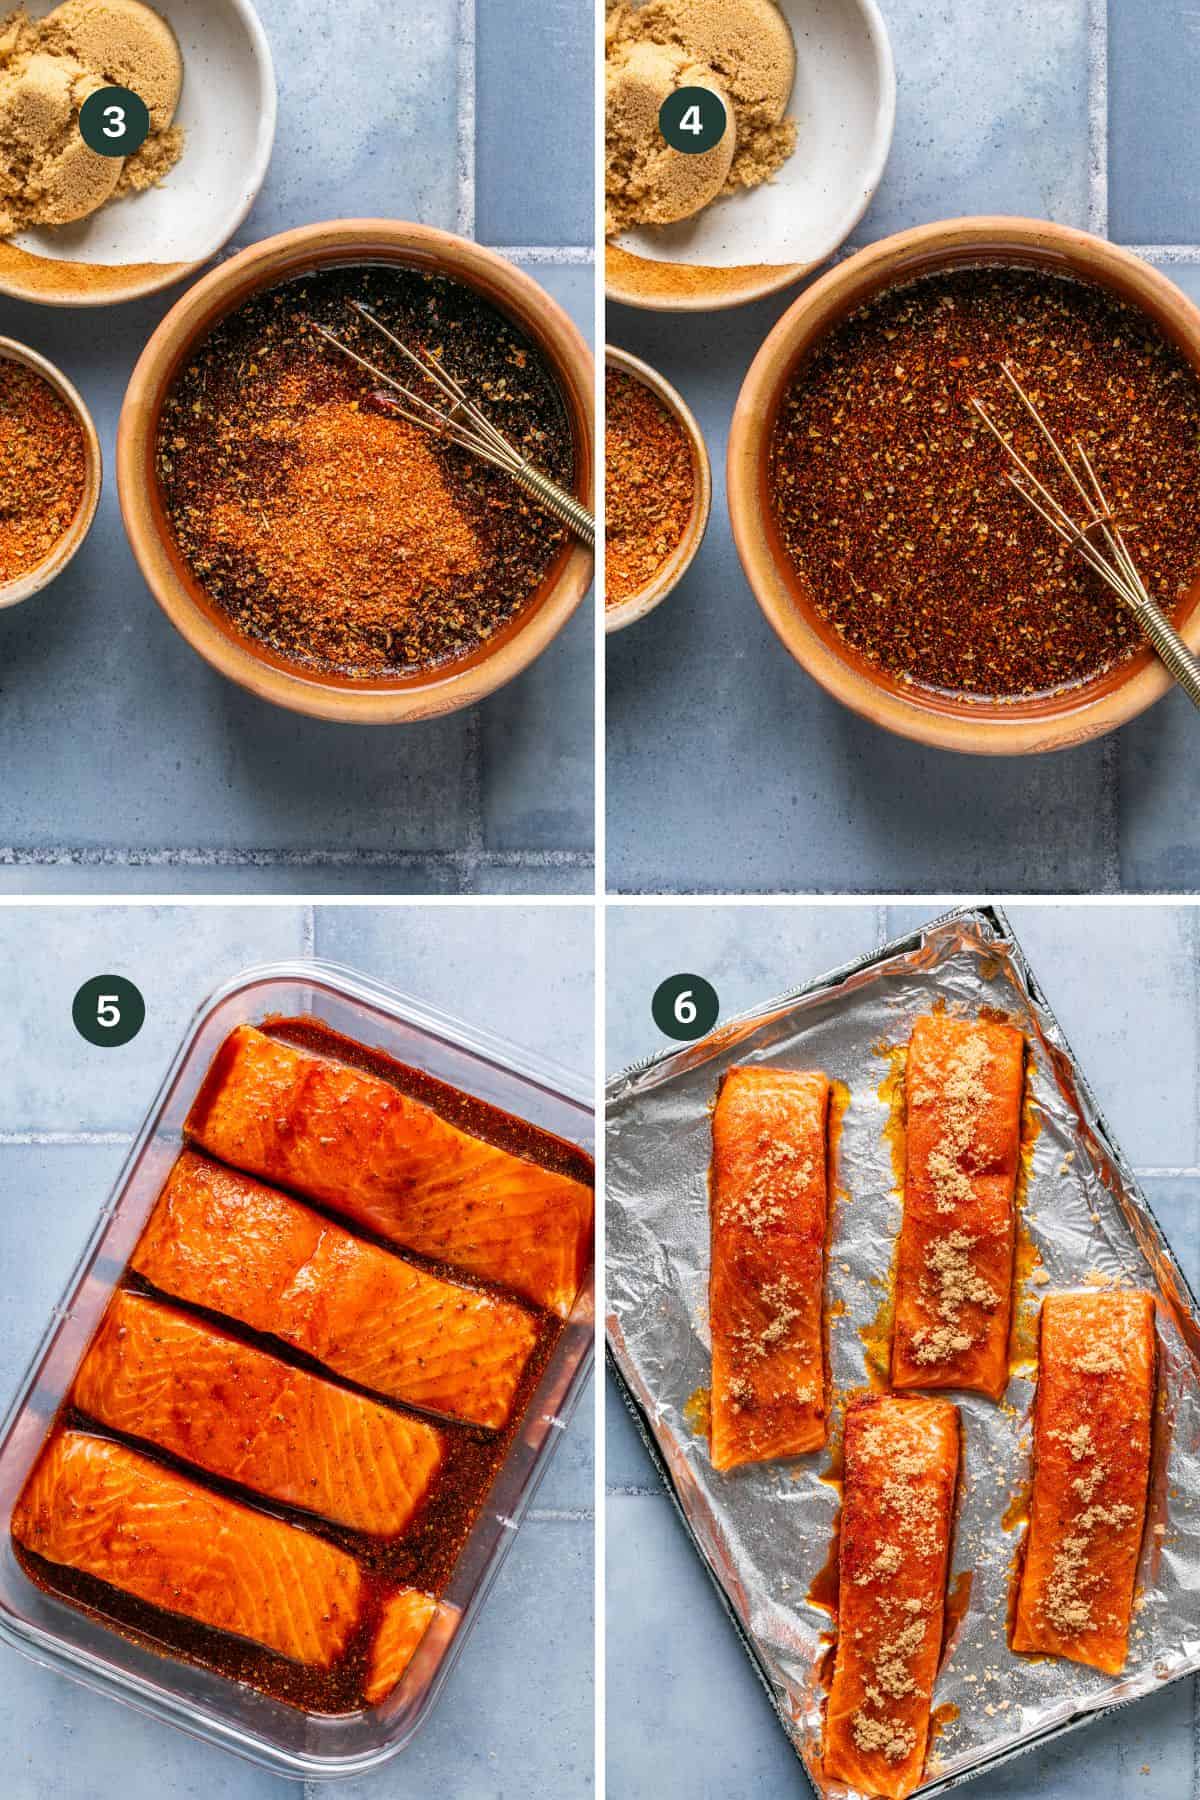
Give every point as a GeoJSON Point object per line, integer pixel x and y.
{"type": "Point", "coordinates": [42, 469]}
{"type": "Point", "coordinates": [744, 51]}
{"type": "Point", "coordinates": [48, 68]}
{"type": "Point", "coordinates": [649, 485]}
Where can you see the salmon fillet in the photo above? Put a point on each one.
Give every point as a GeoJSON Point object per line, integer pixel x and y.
{"type": "Point", "coordinates": [357, 1144]}
{"type": "Point", "coordinates": [1091, 1471]}
{"type": "Point", "coordinates": [100, 1508]}
{"type": "Point", "coordinates": [406, 1617]}
{"type": "Point", "coordinates": [901, 1471]}
{"type": "Point", "coordinates": [157, 1374]}
{"type": "Point", "coordinates": [219, 1239]}
{"type": "Point", "coordinates": [769, 1207]}
{"type": "Point", "coordinates": [954, 1273]}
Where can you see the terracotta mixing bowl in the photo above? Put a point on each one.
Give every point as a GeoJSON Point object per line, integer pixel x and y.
{"type": "Point", "coordinates": [381, 701]}
{"type": "Point", "coordinates": [983, 727]}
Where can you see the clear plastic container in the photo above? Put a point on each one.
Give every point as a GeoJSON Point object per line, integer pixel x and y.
{"type": "Point", "coordinates": [200, 1701]}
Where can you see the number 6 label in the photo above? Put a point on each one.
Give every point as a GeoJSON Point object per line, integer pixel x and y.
{"type": "Point", "coordinates": [108, 1011]}
{"type": "Point", "coordinates": [114, 121]}
{"type": "Point", "coordinates": [685, 1007]}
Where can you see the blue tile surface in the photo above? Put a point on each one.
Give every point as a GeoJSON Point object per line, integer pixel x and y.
{"type": "Point", "coordinates": [534, 122]}
{"type": "Point", "coordinates": [524, 970]}
{"type": "Point", "coordinates": [748, 956]}
{"type": "Point", "coordinates": [991, 111]}
{"type": "Point", "coordinates": [1153, 72]}
{"type": "Point", "coordinates": [119, 739]}
{"type": "Point", "coordinates": [686, 1711]}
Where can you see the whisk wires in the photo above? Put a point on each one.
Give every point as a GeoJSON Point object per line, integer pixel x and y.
{"type": "Point", "coordinates": [1110, 558]}
{"type": "Point", "coordinates": [461, 421]}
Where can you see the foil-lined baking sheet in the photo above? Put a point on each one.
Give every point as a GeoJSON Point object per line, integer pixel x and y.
{"type": "Point", "coordinates": [765, 1530]}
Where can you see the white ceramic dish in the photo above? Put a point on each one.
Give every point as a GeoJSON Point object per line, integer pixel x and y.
{"type": "Point", "coordinates": [139, 245]}
{"type": "Point", "coordinates": [753, 243]}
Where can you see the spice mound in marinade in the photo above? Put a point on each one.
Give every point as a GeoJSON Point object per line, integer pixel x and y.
{"type": "Point", "coordinates": [891, 499]}
{"type": "Point", "coordinates": [343, 538]}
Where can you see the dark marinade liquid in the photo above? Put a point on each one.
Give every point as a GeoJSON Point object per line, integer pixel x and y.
{"type": "Point", "coordinates": [227, 440]}
{"type": "Point", "coordinates": [890, 495]}
{"type": "Point", "coordinates": [425, 1554]}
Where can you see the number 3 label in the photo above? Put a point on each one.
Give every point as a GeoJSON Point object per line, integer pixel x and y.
{"type": "Point", "coordinates": [685, 1007]}
{"type": "Point", "coordinates": [108, 1011]}
{"type": "Point", "coordinates": [114, 121]}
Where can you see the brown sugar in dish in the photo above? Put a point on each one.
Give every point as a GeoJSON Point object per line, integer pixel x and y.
{"type": "Point", "coordinates": [48, 68]}
{"type": "Point", "coordinates": [340, 538]}
{"type": "Point", "coordinates": [650, 485]}
{"type": "Point", "coordinates": [892, 502]}
{"type": "Point", "coordinates": [742, 48]}
{"type": "Point", "coordinates": [43, 469]}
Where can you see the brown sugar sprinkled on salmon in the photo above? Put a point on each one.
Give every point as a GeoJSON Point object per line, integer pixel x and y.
{"type": "Point", "coordinates": [769, 1208]}
{"type": "Point", "coordinates": [1091, 1472]}
{"type": "Point", "coordinates": [954, 1270]}
{"type": "Point", "coordinates": [901, 1472]}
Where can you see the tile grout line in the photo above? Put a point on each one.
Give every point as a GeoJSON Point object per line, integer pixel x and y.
{"type": "Point", "coordinates": [308, 931]}
{"type": "Point", "coordinates": [567, 255]}
{"type": "Point", "coordinates": [1176, 254]}
{"type": "Point", "coordinates": [473, 851]}
{"type": "Point", "coordinates": [1098, 117]}
{"type": "Point", "coordinates": [465, 209]}
{"type": "Point", "coordinates": [76, 856]}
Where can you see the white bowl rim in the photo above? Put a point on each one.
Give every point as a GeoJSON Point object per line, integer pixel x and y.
{"type": "Point", "coordinates": [264, 143]}
{"type": "Point", "coordinates": [783, 275]}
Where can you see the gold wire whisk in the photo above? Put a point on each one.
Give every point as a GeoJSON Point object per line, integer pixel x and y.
{"type": "Point", "coordinates": [464, 424]}
{"type": "Point", "coordinates": [1117, 567]}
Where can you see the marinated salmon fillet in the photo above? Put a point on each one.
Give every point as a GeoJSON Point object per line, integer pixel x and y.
{"type": "Point", "coordinates": [901, 1472]}
{"type": "Point", "coordinates": [769, 1207]}
{"type": "Point", "coordinates": [219, 1239]}
{"type": "Point", "coordinates": [95, 1506]}
{"type": "Point", "coordinates": [406, 1617]}
{"type": "Point", "coordinates": [1091, 1471]}
{"type": "Point", "coordinates": [157, 1374]}
{"type": "Point", "coordinates": [964, 1083]}
{"type": "Point", "coordinates": [358, 1145]}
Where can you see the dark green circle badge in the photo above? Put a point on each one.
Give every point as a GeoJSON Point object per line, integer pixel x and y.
{"type": "Point", "coordinates": [114, 121]}
{"type": "Point", "coordinates": [685, 1006]}
{"type": "Point", "coordinates": [693, 119]}
{"type": "Point", "coordinates": [108, 1011]}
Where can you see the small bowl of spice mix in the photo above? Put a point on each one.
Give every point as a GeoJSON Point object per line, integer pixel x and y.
{"type": "Point", "coordinates": [872, 508]}
{"type": "Point", "coordinates": [50, 472]}
{"type": "Point", "coordinates": [298, 519]}
{"type": "Point", "coordinates": [657, 489]}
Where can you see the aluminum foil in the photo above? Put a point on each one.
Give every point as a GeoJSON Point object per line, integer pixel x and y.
{"type": "Point", "coordinates": [765, 1531]}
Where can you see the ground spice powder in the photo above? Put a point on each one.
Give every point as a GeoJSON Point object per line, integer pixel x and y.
{"type": "Point", "coordinates": [341, 537]}
{"type": "Point", "coordinates": [43, 468]}
{"type": "Point", "coordinates": [891, 499]}
{"type": "Point", "coordinates": [650, 485]}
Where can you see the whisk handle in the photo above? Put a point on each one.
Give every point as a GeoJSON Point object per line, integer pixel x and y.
{"type": "Point", "coordinates": [566, 508]}
{"type": "Point", "coordinates": [1182, 663]}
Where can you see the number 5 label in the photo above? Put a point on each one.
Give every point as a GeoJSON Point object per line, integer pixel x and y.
{"type": "Point", "coordinates": [108, 1011]}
